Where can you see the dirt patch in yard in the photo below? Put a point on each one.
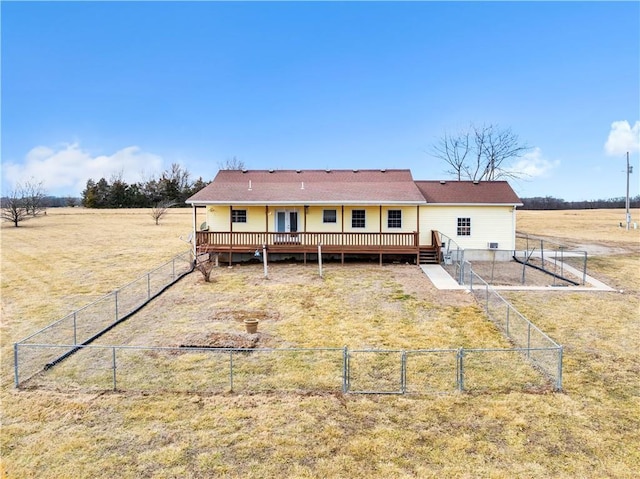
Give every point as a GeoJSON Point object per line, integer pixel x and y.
{"type": "Point", "coordinates": [240, 315]}
{"type": "Point", "coordinates": [225, 341]}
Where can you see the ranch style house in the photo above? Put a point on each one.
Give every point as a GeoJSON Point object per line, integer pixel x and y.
{"type": "Point", "coordinates": [349, 213]}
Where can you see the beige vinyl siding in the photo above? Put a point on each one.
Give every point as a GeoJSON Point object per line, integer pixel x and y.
{"type": "Point", "coordinates": [409, 219]}
{"type": "Point", "coordinates": [219, 218]}
{"type": "Point", "coordinates": [315, 223]}
{"type": "Point", "coordinates": [489, 224]}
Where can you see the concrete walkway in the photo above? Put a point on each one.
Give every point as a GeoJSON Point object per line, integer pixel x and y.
{"type": "Point", "coordinates": [442, 280]}
{"type": "Point", "coordinates": [439, 277]}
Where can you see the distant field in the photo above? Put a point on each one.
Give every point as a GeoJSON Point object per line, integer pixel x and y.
{"type": "Point", "coordinates": [60, 262]}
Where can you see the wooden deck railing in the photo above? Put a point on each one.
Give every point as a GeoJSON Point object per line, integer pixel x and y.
{"type": "Point", "coordinates": [293, 241]}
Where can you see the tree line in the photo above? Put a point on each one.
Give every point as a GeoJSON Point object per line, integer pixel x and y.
{"type": "Point", "coordinates": [551, 203]}
{"type": "Point", "coordinates": [173, 187]}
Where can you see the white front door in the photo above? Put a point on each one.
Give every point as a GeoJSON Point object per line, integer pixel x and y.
{"type": "Point", "coordinates": [286, 221]}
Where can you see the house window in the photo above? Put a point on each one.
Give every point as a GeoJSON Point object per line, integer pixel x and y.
{"type": "Point", "coordinates": [329, 216]}
{"type": "Point", "coordinates": [394, 219]}
{"type": "Point", "coordinates": [357, 218]}
{"type": "Point", "coordinates": [464, 226]}
{"type": "Point", "coordinates": [238, 216]}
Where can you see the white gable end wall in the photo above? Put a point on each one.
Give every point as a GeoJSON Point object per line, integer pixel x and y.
{"type": "Point", "coordinates": [489, 224]}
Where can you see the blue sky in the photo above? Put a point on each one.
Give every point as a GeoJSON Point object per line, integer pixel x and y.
{"type": "Point", "coordinates": [93, 90]}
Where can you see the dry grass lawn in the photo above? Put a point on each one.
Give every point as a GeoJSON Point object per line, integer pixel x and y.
{"type": "Point", "coordinates": [57, 263]}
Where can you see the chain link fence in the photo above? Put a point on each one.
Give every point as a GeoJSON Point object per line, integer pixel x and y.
{"type": "Point", "coordinates": [80, 365]}
{"type": "Point", "coordinates": [97, 368]}
{"type": "Point", "coordinates": [87, 323]}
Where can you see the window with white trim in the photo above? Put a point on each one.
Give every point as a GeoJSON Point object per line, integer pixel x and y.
{"type": "Point", "coordinates": [358, 218]}
{"type": "Point", "coordinates": [464, 226]}
{"type": "Point", "coordinates": [329, 216]}
{"type": "Point", "coordinates": [238, 216]}
{"type": "Point", "coordinates": [394, 219]}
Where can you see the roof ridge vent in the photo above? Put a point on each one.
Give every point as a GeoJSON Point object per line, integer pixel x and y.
{"type": "Point", "coordinates": [271, 170]}
{"type": "Point", "coordinates": [475, 182]}
{"type": "Point", "coordinates": [244, 170]}
{"type": "Point", "coordinates": [355, 170]}
{"type": "Point", "coordinates": [383, 170]}
{"type": "Point", "coordinates": [328, 170]}
{"type": "Point", "coordinates": [442, 182]}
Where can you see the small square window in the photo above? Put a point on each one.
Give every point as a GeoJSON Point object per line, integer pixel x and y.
{"type": "Point", "coordinates": [238, 216]}
{"type": "Point", "coordinates": [329, 216]}
{"type": "Point", "coordinates": [464, 226]}
{"type": "Point", "coordinates": [394, 219]}
{"type": "Point", "coordinates": [358, 218]}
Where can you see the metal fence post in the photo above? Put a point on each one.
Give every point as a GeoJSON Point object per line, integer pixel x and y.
{"type": "Point", "coordinates": [584, 269]}
{"type": "Point", "coordinates": [345, 370]}
{"type": "Point", "coordinates": [75, 330]}
{"type": "Point", "coordinates": [403, 372]}
{"type": "Point", "coordinates": [559, 376]}
{"type": "Point", "coordinates": [16, 378]}
{"type": "Point", "coordinates": [460, 369]}
{"type": "Point", "coordinates": [528, 339]}
{"type": "Point", "coordinates": [231, 371]}
{"type": "Point", "coordinates": [114, 369]}
{"type": "Point", "coordinates": [507, 325]}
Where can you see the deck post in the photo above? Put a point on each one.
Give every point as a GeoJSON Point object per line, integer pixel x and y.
{"type": "Point", "coordinates": [264, 260]}
{"type": "Point", "coordinates": [194, 239]}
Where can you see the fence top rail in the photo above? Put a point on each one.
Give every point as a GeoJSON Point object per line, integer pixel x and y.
{"type": "Point", "coordinates": [419, 351]}
{"type": "Point", "coordinates": [509, 350]}
{"type": "Point", "coordinates": [271, 350]}
{"type": "Point", "coordinates": [177, 348]}
{"type": "Point", "coordinates": [102, 298]}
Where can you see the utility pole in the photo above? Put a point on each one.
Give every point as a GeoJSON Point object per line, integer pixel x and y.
{"type": "Point", "coordinates": [629, 171]}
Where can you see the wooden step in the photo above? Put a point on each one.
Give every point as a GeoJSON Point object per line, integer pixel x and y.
{"type": "Point", "coordinates": [429, 256]}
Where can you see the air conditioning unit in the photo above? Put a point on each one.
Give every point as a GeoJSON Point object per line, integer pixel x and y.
{"type": "Point", "coordinates": [493, 245]}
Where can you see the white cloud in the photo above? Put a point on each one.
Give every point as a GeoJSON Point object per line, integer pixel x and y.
{"type": "Point", "coordinates": [623, 138]}
{"type": "Point", "coordinates": [533, 165]}
{"type": "Point", "coordinates": [66, 169]}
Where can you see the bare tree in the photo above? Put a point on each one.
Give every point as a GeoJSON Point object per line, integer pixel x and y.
{"type": "Point", "coordinates": [453, 149]}
{"type": "Point", "coordinates": [205, 266]}
{"type": "Point", "coordinates": [33, 195]}
{"type": "Point", "coordinates": [160, 209]}
{"type": "Point", "coordinates": [13, 207]}
{"type": "Point", "coordinates": [481, 153]}
{"type": "Point", "coordinates": [231, 164]}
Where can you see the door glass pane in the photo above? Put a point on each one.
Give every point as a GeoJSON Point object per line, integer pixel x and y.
{"type": "Point", "coordinates": [293, 221]}
{"type": "Point", "coordinates": [280, 222]}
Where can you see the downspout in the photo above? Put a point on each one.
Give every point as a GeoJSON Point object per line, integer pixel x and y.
{"type": "Point", "coordinates": [418, 237]}
{"type": "Point", "coordinates": [230, 235]}
{"type": "Point", "coordinates": [266, 224]}
{"type": "Point", "coordinates": [342, 233]}
{"type": "Point", "coordinates": [513, 227]}
{"type": "Point", "coordinates": [380, 236]}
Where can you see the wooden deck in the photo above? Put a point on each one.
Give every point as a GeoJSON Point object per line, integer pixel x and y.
{"type": "Point", "coordinates": [306, 242]}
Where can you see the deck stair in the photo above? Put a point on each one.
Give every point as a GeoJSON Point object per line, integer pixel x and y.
{"type": "Point", "coordinates": [429, 256]}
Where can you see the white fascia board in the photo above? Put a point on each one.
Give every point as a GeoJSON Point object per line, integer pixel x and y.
{"type": "Point", "coordinates": [316, 203]}
{"type": "Point", "coordinates": [474, 204]}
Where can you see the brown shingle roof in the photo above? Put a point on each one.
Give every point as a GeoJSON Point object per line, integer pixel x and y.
{"type": "Point", "coordinates": [310, 186]}
{"type": "Point", "coordinates": [468, 192]}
